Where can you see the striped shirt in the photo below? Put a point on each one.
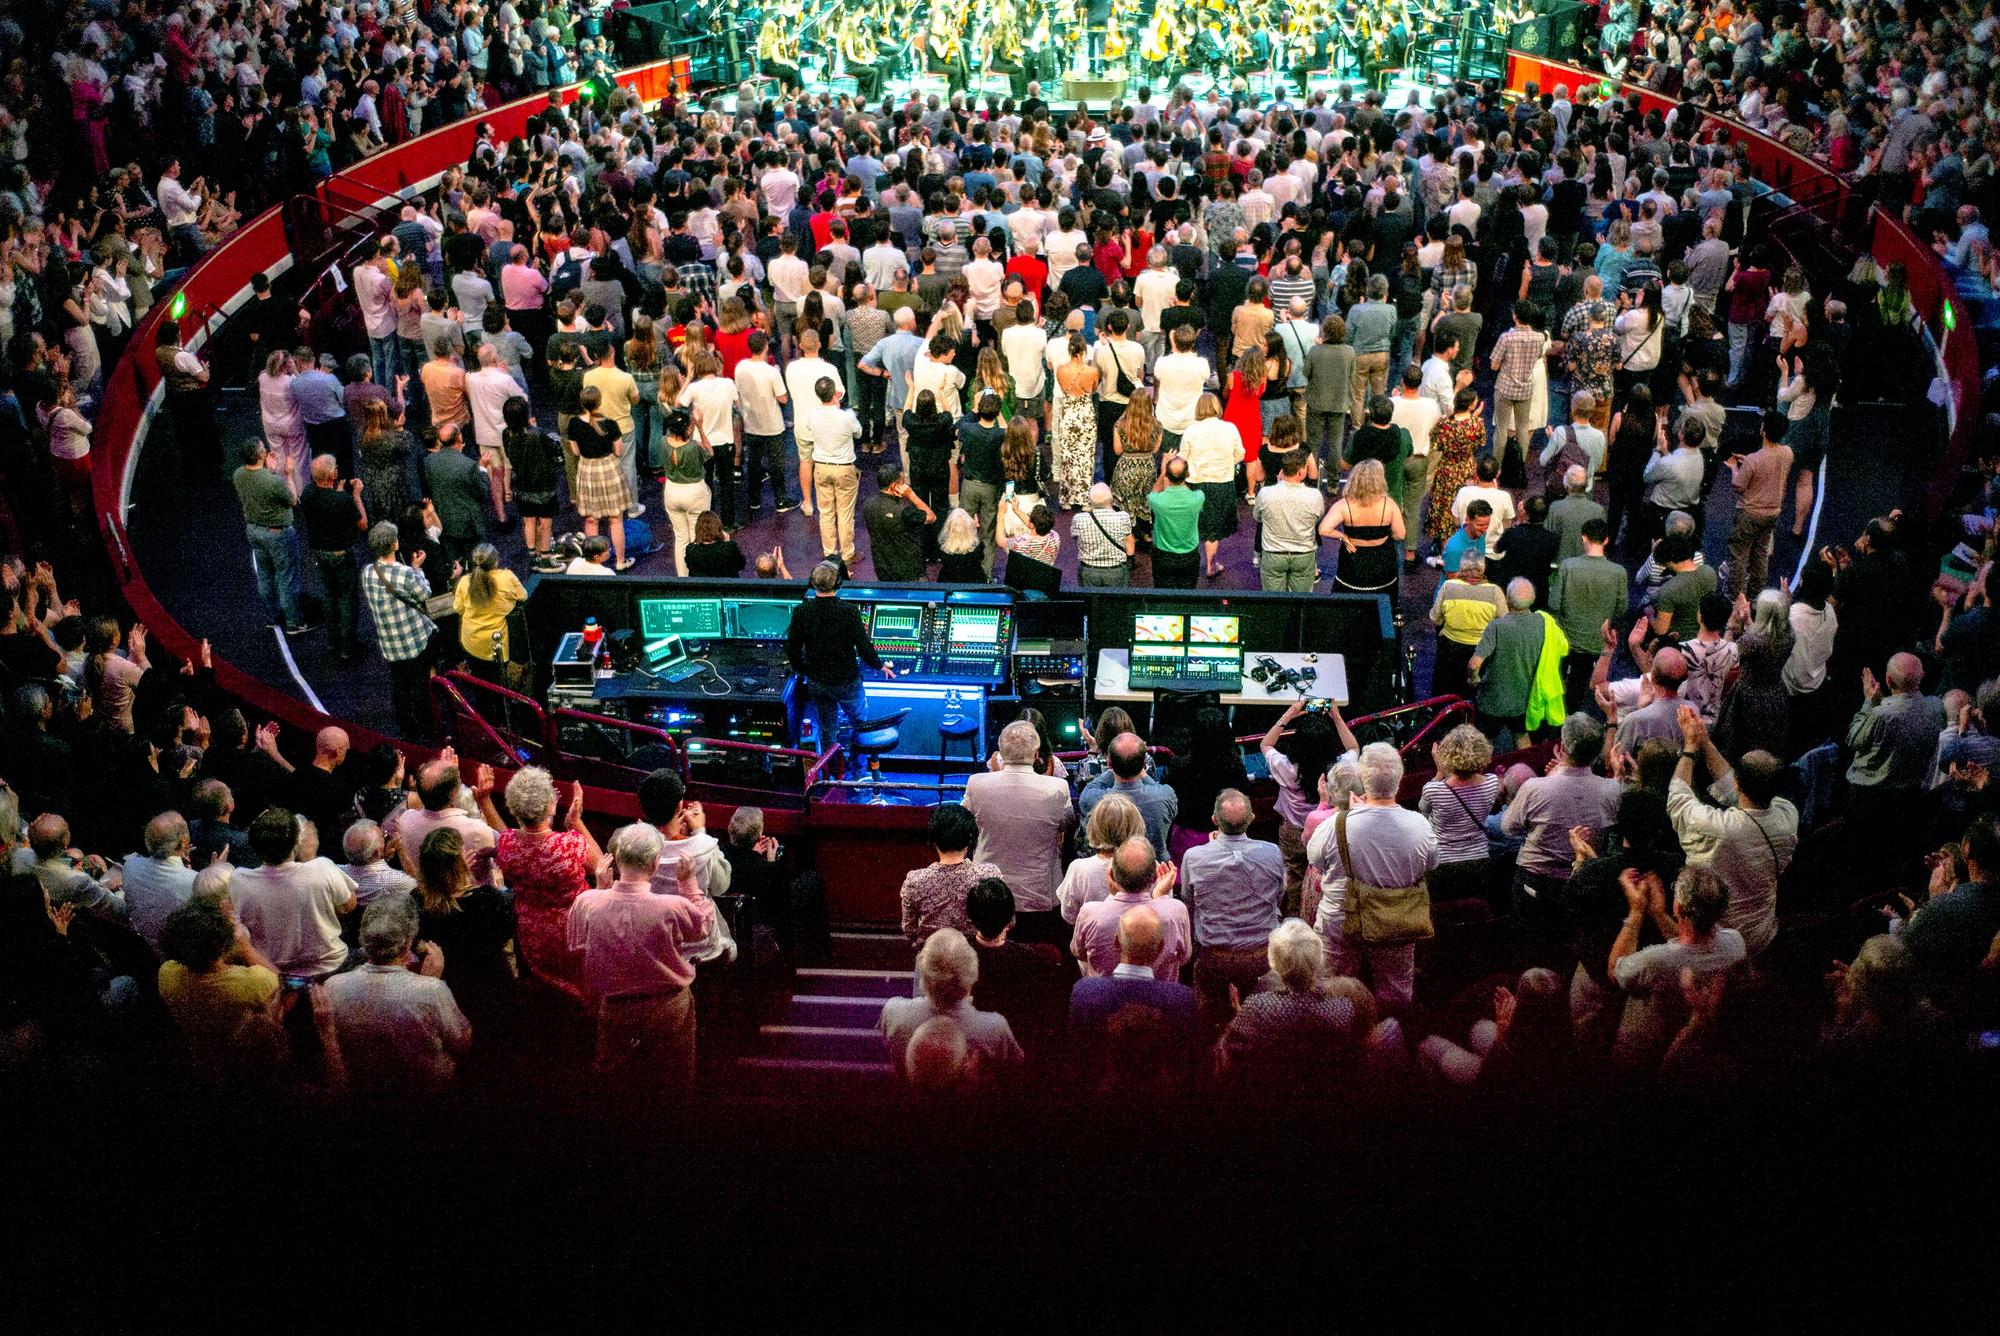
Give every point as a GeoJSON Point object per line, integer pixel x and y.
{"type": "Point", "coordinates": [1460, 825]}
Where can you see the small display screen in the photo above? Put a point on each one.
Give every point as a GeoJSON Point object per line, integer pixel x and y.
{"type": "Point", "coordinates": [1214, 630]}
{"type": "Point", "coordinates": [694, 618]}
{"type": "Point", "coordinates": [758, 619]}
{"type": "Point", "coordinates": [970, 627]}
{"type": "Point", "coordinates": [1156, 629]}
{"type": "Point", "coordinates": [898, 621]}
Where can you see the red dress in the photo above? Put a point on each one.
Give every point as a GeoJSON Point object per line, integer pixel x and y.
{"type": "Point", "coordinates": [1246, 414]}
{"type": "Point", "coordinates": [546, 870]}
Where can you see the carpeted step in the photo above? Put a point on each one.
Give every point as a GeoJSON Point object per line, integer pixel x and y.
{"type": "Point", "coordinates": [850, 1012]}
{"type": "Point", "coordinates": [853, 983]}
{"type": "Point", "coordinates": [837, 1043]}
{"type": "Point", "coordinates": [873, 951]}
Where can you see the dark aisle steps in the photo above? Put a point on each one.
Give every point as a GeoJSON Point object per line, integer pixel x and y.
{"type": "Point", "coordinates": [826, 1036]}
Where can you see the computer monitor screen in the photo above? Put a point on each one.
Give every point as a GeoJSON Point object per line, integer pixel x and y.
{"type": "Point", "coordinates": [1151, 628]}
{"type": "Point", "coordinates": [1215, 631]}
{"type": "Point", "coordinates": [975, 628]}
{"type": "Point", "coordinates": [757, 619]}
{"type": "Point", "coordinates": [694, 618]}
{"type": "Point", "coordinates": [898, 623]}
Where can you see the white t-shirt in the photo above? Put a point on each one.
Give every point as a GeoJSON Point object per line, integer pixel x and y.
{"type": "Point", "coordinates": [1022, 348]}
{"type": "Point", "coordinates": [1154, 291]}
{"type": "Point", "coordinates": [833, 433]}
{"type": "Point", "coordinates": [802, 374]}
{"type": "Point", "coordinates": [759, 387]}
{"type": "Point", "coordinates": [487, 391]}
{"type": "Point", "coordinates": [1417, 416]}
{"type": "Point", "coordinates": [292, 912]}
{"type": "Point", "coordinates": [713, 400]}
{"type": "Point", "coordinates": [1062, 253]}
{"type": "Point", "coordinates": [780, 187]}
{"type": "Point", "coordinates": [983, 279]}
{"type": "Point", "coordinates": [1497, 497]}
{"type": "Point", "coordinates": [1180, 378]}
{"type": "Point", "coordinates": [581, 566]}
{"type": "Point", "coordinates": [942, 379]}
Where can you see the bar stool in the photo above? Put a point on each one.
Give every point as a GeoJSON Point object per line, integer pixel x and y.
{"type": "Point", "coordinates": [872, 739]}
{"type": "Point", "coordinates": [956, 727]}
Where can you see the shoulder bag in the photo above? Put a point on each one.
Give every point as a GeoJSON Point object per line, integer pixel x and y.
{"type": "Point", "coordinates": [436, 607]}
{"type": "Point", "coordinates": [1382, 915]}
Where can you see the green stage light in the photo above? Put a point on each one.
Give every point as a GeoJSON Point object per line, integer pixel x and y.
{"type": "Point", "coordinates": [178, 306]}
{"type": "Point", "coordinates": [1950, 318]}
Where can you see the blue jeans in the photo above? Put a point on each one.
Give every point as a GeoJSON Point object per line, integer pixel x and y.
{"type": "Point", "coordinates": [828, 704]}
{"type": "Point", "coordinates": [1739, 350]}
{"type": "Point", "coordinates": [385, 356]}
{"type": "Point", "coordinates": [1404, 345]}
{"type": "Point", "coordinates": [275, 553]}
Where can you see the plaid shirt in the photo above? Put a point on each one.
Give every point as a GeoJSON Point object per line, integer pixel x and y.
{"type": "Point", "coordinates": [1579, 316]}
{"type": "Point", "coordinates": [1514, 359]}
{"type": "Point", "coordinates": [698, 279]}
{"type": "Point", "coordinates": [396, 594]}
{"type": "Point", "coordinates": [1095, 547]}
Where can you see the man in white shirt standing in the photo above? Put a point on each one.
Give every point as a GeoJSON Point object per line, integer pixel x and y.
{"type": "Point", "coordinates": [1023, 346]}
{"type": "Point", "coordinates": [1062, 246]}
{"type": "Point", "coordinates": [790, 278]}
{"type": "Point", "coordinates": [836, 481]}
{"type": "Point", "coordinates": [181, 208]}
{"type": "Point", "coordinates": [802, 376]}
{"type": "Point", "coordinates": [1153, 290]}
{"type": "Point", "coordinates": [881, 262]}
{"type": "Point", "coordinates": [983, 277]}
{"type": "Point", "coordinates": [291, 906]}
{"type": "Point", "coordinates": [400, 1030]}
{"type": "Point", "coordinates": [1415, 412]}
{"type": "Point", "coordinates": [760, 396]}
{"type": "Point", "coordinates": [779, 185]}
{"type": "Point", "coordinates": [1438, 383]}
{"type": "Point", "coordinates": [1179, 378]}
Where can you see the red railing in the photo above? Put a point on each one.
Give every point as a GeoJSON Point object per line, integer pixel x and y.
{"type": "Point", "coordinates": [1832, 197]}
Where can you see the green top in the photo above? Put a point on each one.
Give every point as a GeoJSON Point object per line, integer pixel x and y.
{"type": "Point", "coordinates": [266, 498]}
{"type": "Point", "coordinates": [1176, 512]}
{"type": "Point", "coordinates": [684, 462]}
{"type": "Point", "coordinates": [1680, 598]}
{"type": "Point", "coordinates": [1509, 652]}
{"type": "Point", "coordinates": [1587, 593]}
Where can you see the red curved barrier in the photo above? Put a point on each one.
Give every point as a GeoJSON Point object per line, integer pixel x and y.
{"type": "Point", "coordinates": [212, 288]}
{"type": "Point", "coordinates": [1830, 196]}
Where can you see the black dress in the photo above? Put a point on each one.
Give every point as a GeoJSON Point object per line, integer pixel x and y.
{"type": "Point", "coordinates": [1376, 569]}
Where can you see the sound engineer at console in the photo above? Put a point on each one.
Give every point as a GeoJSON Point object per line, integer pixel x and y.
{"type": "Point", "coordinates": [826, 644]}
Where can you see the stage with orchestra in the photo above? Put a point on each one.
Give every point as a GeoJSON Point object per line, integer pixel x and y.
{"type": "Point", "coordinates": [1089, 53]}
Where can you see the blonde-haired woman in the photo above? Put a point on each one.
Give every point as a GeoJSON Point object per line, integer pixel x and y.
{"type": "Point", "coordinates": [284, 428]}
{"type": "Point", "coordinates": [1458, 801]}
{"type": "Point", "coordinates": [1113, 821]}
{"type": "Point", "coordinates": [1213, 447]}
{"type": "Point", "coordinates": [1369, 525]}
{"type": "Point", "coordinates": [961, 558]}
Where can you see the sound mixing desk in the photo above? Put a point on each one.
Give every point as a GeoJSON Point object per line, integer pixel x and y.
{"type": "Point", "coordinates": [716, 667]}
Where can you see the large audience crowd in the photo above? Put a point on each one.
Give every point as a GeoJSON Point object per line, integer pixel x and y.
{"type": "Point", "coordinates": [1531, 344]}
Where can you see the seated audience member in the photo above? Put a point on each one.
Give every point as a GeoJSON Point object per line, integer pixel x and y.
{"type": "Point", "coordinates": [221, 991]}
{"type": "Point", "coordinates": [1026, 983]}
{"type": "Point", "coordinates": [934, 897]}
{"type": "Point", "coordinates": [1696, 944]}
{"type": "Point", "coordinates": [1136, 880]}
{"type": "Point", "coordinates": [1392, 846]}
{"type": "Point", "coordinates": [938, 1062]}
{"type": "Point", "coordinates": [1135, 981]}
{"type": "Point", "coordinates": [1292, 1030]}
{"type": "Point", "coordinates": [292, 904]}
{"type": "Point", "coordinates": [1112, 822]}
{"type": "Point", "coordinates": [635, 946]}
{"type": "Point", "coordinates": [401, 1032]}
{"type": "Point", "coordinates": [1126, 774]}
{"type": "Point", "coordinates": [1233, 886]}
{"type": "Point", "coordinates": [947, 970]}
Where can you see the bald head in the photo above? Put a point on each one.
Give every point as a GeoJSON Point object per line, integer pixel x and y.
{"type": "Point", "coordinates": [1670, 669]}
{"type": "Point", "coordinates": [331, 745]}
{"type": "Point", "coordinates": [1233, 812]}
{"type": "Point", "coordinates": [1126, 756]}
{"type": "Point", "coordinates": [1906, 674]}
{"type": "Point", "coordinates": [1140, 937]}
{"type": "Point", "coordinates": [1133, 866]}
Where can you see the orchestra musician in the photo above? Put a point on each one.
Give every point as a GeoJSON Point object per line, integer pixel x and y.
{"type": "Point", "coordinates": [778, 46]}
